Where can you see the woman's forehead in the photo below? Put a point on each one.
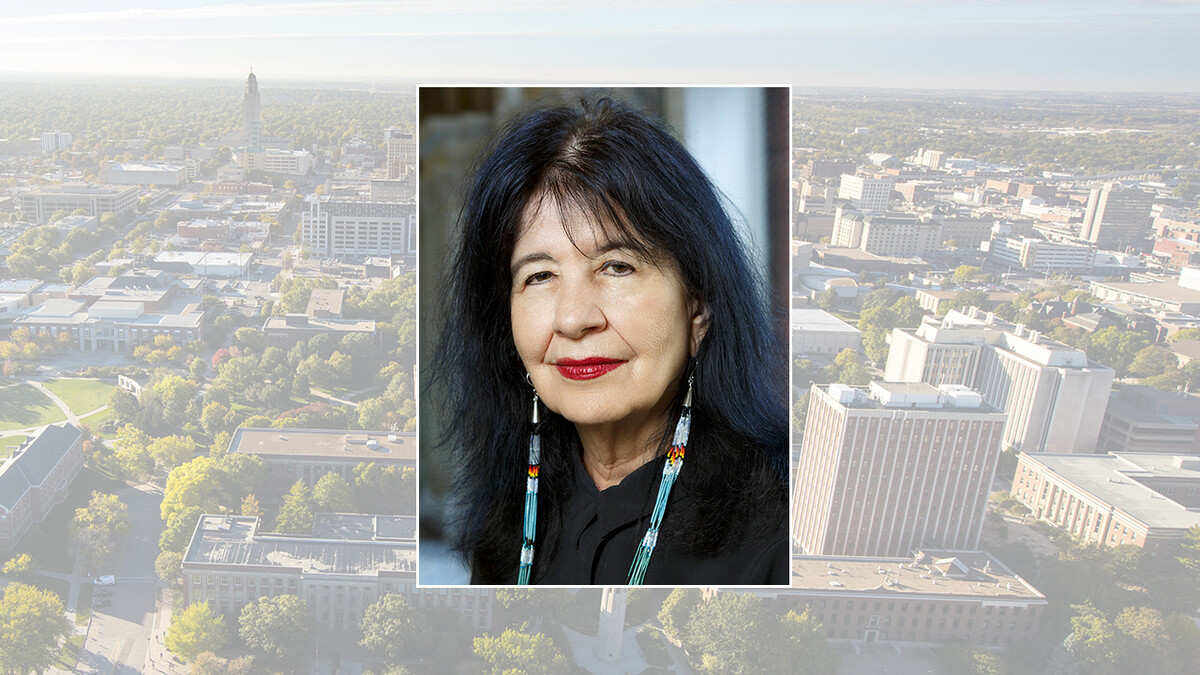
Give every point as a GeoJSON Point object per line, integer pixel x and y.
{"type": "Point", "coordinates": [590, 233]}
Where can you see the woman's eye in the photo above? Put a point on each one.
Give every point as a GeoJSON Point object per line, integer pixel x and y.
{"type": "Point", "coordinates": [617, 268]}
{"type": "Point", "coordinates": [538, 278]}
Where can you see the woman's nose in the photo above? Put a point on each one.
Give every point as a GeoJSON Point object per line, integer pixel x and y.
{"type": "Point", "coordinates": [578, 309]}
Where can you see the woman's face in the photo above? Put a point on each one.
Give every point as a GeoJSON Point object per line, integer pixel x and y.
{"type": "Point", "coordinates": [604, 333]}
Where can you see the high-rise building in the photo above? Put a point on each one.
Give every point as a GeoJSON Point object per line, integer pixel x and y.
{"type": "Point", "coordinates": [95, 200]}
{"type": "Point", "coordinates": [358, 227]}
{"type": "Point", "coordinates": [894, 468]}
{"type": "Point", "coordinates": [865, 194]}
{"type": "Point", "coordinates": [1117, 217]}
{"type": "Point", "coordinates": [53, 141]}
{"type": "Point", "coordinates": [886, 235]}
{"type": "Point", "coordinates": [1055, 398]}
{"type": "Point", "coordinates": [252, 113]}
{"type": "Point", "coordinates": [401, 152]}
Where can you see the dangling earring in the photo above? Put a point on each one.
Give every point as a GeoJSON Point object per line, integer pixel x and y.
{"type": "Point", "coordinates": [641, 559]}
{"type": "Point", "coordinates": [529, 530]}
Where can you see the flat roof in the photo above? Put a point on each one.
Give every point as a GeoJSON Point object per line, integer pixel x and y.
{"type": "Point", "coordinates": [232, 540]}
{"type": "Point", "coordinates": [32, 464]}
{"type": "Point", "coordinates": [364, 527]}
{"type": "Point", "coordinates": [326, 443]}
{"type": "Point", "coordinates": [279, 323]}
{"type": "Point", "coordinates": [1169, 291]}
{"type": "Point", "coordinates": [1112, 479]}
{"type": "Point", "coordinates": [958, 574]}
{"type": "Point", "coordinates": [817, 320]}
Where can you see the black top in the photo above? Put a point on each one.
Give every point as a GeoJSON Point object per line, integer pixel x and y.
{"type": "Point", "coordinates": [601, 530]}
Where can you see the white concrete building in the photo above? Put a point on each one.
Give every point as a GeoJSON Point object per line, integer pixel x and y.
{"type": "Point", "coordinates": [336, 227]}
{"type": "Point", "coordinates": [866, 194]}
{"type": "Point", "coordinates": [1039, 255]}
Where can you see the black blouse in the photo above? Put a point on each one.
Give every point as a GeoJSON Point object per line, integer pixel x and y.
{"type": "Point", "coordinates": [601, 531]}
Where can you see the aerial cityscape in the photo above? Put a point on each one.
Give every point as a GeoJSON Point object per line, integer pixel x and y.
{"type": "Point", "coordinates": [209, 343]}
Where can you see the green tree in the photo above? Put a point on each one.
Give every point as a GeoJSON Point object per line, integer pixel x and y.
{"type": "Point", "coordinates": [800, 413]}
{"type": "Point", "coordinates": [275, 626]}
{"type": "Point", "coordinates": [169, 452]}
{"type": "Point", "coordinates": [527, 604]}
{"type": "Point", "coordinates": [296, 513]}
{"type": "Point", "coordinates": [1186, 334]}
{"type": "Point", "coordinates": [392, 629]}
{"type": "Point", "coordinates": [194, 484]}
{"type": "Point", "coordinates": [178, 531]}
{"type": "Point", "coordinates": [20, 567]}
{"type": "Point", "coordinates": [733, 633]}
{"type": "Point", "coordinates": [250, 507]}
{"type": "Point", "coordinates": [332, 494]}
{"type": "Point", "coordinates": [514, 652]}
{"type": "Point", "coordinates": [965, 274]}
{"type": "Point", "coordinates": [802, 640]}
{"type": "Point", "coordinates": [964, 299]}
{"type": "Point", "coordinates": [32, 627]}
{"type": "Point", "coordinates": [194, 630]}
{"type": "Point", "coordinates": [168, 565]}
{"type": "Point", "coordinates": [96, 528]}
{"type": "Point", "coordinates": [1094, 640]}
{"type": "Point", "coordinates": [677, 611]}
{"type": "Point", "coordinates": [827, 300]}
{"type": "Point", "coordinates": [1153, 360]}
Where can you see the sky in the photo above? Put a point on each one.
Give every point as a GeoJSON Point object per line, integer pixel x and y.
{"type": "Point", "coordinates": [1122, 45]}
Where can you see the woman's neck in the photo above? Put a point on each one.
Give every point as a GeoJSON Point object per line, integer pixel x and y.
{"type": "Point", "coordinates": [611, 452]}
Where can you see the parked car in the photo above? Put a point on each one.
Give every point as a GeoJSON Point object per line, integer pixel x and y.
{"type": "Point", "coordinates": [106, 580]}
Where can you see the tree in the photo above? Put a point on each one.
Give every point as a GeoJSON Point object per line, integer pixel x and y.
{"type": "Point", "coordinates": [171, 451]}
{"type": "Point", "coordinates": [1186, 334]}
{"type": "Point", "coordinates": [514, 652]}
{"type": "Point", "coordinates": [275, 626]}
{"type": "Point", "coordinates": [526, 604]}
{"type": "Point", "coordinates": [168, 565]}
{"type": "Point", "coordinates": [20, 567]}
{"type": "Point", "coordinates": [96, 528]}
{"type": "Point", "coordinates": [392, 629]}
{"type": "Point", "coordinates": [1153, 360]}
{"type": "Point", "coordinates": [802, 640]}
{"type": "Point", "coordinates": [194, 630]}
{"type": "Point", "coordinates": [1094, 640]}
{"type": "Point", "coordinates": [677, 610]}
{"type": "Point", "coordinates": [296, 513]}
{"type": "Point", "coordinates": [1190, 550]}
{"type": "Point", "coordinates": [178, 531]}
{"type": "Point", "coordinates": [250, 507]}
{"type": "Point", "coordinates": [332, 494]}
{"type": "Point", "coordinates": [733, 633]}
{"type": "Point", "coordinates": [192, 484]}
{"type": "Point", "coordinates": [32, 628]}
{"type": "Point", "coordinates": [965, 274]}
{"type": "Point", "coordinates": [965, 299]}
{"type": "Point", "coordinates": [800, 413]}
{"type": "Point", "coordinates": [827, 300]}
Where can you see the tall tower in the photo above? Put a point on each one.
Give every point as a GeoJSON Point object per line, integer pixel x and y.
{"type": "Point", "coordinates": [252, 113]}
{"type": "Point", "coordinates": [612, 624]}
{"type": "Point", "coordinates": [1118, 218]}
{"type": "Point", "coordinates": [401, 152]}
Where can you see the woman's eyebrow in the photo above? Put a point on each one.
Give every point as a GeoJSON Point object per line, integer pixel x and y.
{"type": "Point", "coordinates": [529, 258]}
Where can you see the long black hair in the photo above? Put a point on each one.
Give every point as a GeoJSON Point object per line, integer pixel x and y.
{"type": "Point", "coordinates": [636, 180]}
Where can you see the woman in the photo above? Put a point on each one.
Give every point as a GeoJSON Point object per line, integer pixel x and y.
{"type": "Point", "coordinates": [599, 305]}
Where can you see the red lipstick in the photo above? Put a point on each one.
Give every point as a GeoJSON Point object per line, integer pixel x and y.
{"type": "Point", "coordinates": [586, 369]}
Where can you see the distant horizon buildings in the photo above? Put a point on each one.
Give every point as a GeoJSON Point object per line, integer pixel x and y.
{"type": "Point", "coordinates": [893, 468]}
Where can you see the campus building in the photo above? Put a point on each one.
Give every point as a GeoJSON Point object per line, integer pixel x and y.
{"type": "Point", "coordinates": [36, 477]}
{"type": "Point", "coordinates": [865, 194]}
{"type": "Point", "coordinates": [924, 599]}
{"type": "Point", "coordinates": [337, 227]}
{"type": "Point", "coordinates": [893, 468]}
{"type": "Point", "coordinates": [342, 568]}
{"type": "Point", "coordinates": [1053, 395]}
{"type": "Point", "coordinates": [308, 454]}
{"type": "Point", "coordinates": [1144, 499]}
{"type": "Point", "coordinates": [95, 200]}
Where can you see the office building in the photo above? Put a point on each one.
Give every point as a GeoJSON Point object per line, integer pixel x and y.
{"type": "Point", "coordinates": [1054, 396]}
{"type": "Point", "coordinates": [36, 477]}
{"type": "Point", "coordinates": [886, 235]}
{"type": "Point", "coordinates": [817, 333]}
{"type": "Point", "coordinates": [53, 141]}
{"type": "Point", "coordinates": [94, 200]}
{"type": "Point", "coordinates": [893, 468]}
{"type": "Point", "coordinates": [1144, 419]}
{"type": "Point", "coordinates": [924, 599]}
{"type": "Point", "coordinates": [401, 152]}
{"type": "Point", "coordinates": [147, 174]}
{"type": "Point", "coordinates": [1117, 217]}
{"type": "Point", "coordinates": [1143, 499]}
{"type": "Point", "coordinates": [308, 454]}
{"type": "Point", "coordinates": [337, 227]}
{"type": "Point", "coordinates": [274, 160]}
{"type": "Point", "coordinates": [1037, 254]}
{"type": "Point", "coordinates": [346, 564]}
{"type": "Point", "coordinates": [869, 195]}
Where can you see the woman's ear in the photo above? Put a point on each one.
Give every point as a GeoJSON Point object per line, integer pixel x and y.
{"type": "Point", "coordinates": [699, 327]}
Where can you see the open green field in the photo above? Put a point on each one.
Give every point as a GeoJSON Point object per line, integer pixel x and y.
{"type": "Point", "coordinates": [81, 395]}
{"type": "Point", "coordinates": [23, 406]}
{"type": "Point", "coordinates": [96, 420]}
{"type": "Point", "coordinates": [7, 441]}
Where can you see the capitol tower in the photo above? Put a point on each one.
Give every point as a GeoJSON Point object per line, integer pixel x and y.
{"type": "Point", "coordinates": [252, 113]}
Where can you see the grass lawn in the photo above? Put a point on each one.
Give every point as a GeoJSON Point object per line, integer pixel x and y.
{"type": "Point", "coordinates": [68, 659]}
{"type": "Point", "coordinates": [83, 608]}
{"type": "Point", "coordinates": [81, 395]}
{"type": "Point", "coordinates": [95, 420]}
{"type": "Point", "coordinates": [7, 441]}
{"type": "Point", "coordinates": [24, 406]}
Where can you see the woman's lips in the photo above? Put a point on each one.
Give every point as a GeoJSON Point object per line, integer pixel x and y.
{"type": "Point", "coordinates": [586, 369]}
